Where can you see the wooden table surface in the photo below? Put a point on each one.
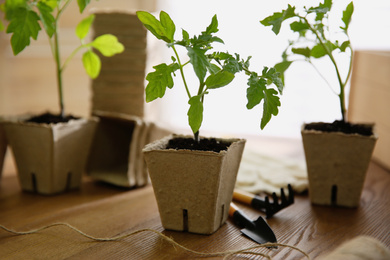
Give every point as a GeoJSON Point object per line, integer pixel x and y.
{"type": "Point", "coordinates": [102, 210]}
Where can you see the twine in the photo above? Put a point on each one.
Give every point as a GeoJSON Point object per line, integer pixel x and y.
{"type": "Point", "coordinates": [225, 254]}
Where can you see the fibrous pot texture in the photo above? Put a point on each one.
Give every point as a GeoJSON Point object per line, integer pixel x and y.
{"type": "Point", "coordinates": [193, 189]}
{"type": "Point", "coordinates": [337, 164]}
{"type": "Point", "coordinates": [50, 158]}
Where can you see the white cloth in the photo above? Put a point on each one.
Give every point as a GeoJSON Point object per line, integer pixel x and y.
{"type": "Point", "coordinates": [262, 173]}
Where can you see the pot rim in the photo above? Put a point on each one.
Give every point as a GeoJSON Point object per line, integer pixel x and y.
{"type": "Point", "coordinates": [160, 145]}
{"type": "Point", "coordinates": [313, 131]}
{"type": "Point", "coordinates": [21, 120]}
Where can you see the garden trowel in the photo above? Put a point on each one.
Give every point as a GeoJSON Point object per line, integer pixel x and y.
{"type": "Point", "coordinates": [257, 230]}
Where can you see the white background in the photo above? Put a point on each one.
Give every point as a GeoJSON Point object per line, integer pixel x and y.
{"type": "Point", "coordinates": [306, 97]}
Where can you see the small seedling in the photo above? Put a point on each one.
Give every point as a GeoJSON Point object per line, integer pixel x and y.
{"type": "Point", "coordinates": [315, 40]}
{"type": "Point", "coordinates": [213, 70]}
{"type": "Point", "coordinates": [28, 17]}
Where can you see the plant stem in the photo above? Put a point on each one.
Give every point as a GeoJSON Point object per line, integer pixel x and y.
{"type": "Point", "coordinates": [57, 59]}
{"type": "Point", "coordinates": [70, 57]}
{"type": "Point", "coordinates": [329, 53]}
{"type": "Point", "coordinates": [181, 71]}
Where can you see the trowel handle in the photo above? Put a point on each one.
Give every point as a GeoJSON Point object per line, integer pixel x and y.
{"type": "Point", "coordinates": [242, 196]}
{"type": "Point", "coordinates": [239, 217]}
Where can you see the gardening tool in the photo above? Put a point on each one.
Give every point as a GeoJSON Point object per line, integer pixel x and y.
{"type": "Point", "coordinates": [265, 205]}
{"type": "Point", "coordinates": [257, 230]}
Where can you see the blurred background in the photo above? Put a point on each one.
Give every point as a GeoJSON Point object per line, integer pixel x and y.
{"type": "Point", "coordinates": [27, 82]}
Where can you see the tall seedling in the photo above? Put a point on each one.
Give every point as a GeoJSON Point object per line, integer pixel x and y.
{"type": "Point", "coordinates": [28, 17]}
{"type": "Point", "coordinates": [213, 70]}
{"type": "Point", "coordinates": [314, 40]}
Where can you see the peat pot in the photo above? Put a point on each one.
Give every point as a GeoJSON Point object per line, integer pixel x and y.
{"type": "Point", "coordinates": [50, 158]}
{"type": "Point", "coordinates": [193, 189]}
{"type": "Point", "coordinates": [337, 164]}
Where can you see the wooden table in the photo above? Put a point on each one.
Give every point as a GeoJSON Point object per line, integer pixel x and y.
{"type": "Point", "coordinates": [102, 210]}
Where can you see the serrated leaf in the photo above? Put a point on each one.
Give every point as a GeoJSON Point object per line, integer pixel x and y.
{"type": "Point", "coordinates": [220, 79]}
{"type": "Point", "coordinates": [84, 26]}
{"type": "Point", "coordinates": [24, 25]}
{"type": "Point", "coordinates": [270, 106]}
{"type": "Point", "coordinates": [195, 113]}
{"type": "Point", "coordinates": [213, 27]}
{"type": "Point", "coordinates": [276, 19]}
{"type": "Point", "coordinates": [273, 76]}
{"type": "Point", "coordinates": [302, 51]}
{"type": "Point", "coordinates": [108, 45]}
{"type": "Point", "coordinates": [11, 7]}
{"type": "Point", "coordinates": [254, 93]}
{"type": "Point", "coordinates": [199, 62]}
{"type": "Point", "coordinates": [82, 4]}
{"type": "Point", "coordinates": [159, 81]}
{"type": "Point", "coordinates": [347, 15]}
{"type": "Point", "coordinates": [321, 10]}
{"type": "Point", "coordinates": [47, 18]}
{"type": "Point", "coordinates": [92, 64]}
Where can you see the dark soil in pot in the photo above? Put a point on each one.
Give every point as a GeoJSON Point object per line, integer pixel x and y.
{"type": "Point", "coordinates": [48, 118]}
{"type": "Point", "coordinates": [341, 126]}
{"type": "Point", "coordinates": [205, 144]}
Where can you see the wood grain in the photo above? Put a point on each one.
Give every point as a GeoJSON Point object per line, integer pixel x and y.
{"type": "Point", "coordinates": [102, 210]}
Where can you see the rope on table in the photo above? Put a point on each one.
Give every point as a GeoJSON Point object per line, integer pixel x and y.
{"type": "Point", "coordinates": [226, 254]}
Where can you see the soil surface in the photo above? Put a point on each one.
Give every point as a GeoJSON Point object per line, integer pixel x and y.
{"type": "Point", "coordinates": [48, 118]}
{"type": "Point", "coordinates": [205, 144]}
{"type": "Point", "coordinates": [340, 126]}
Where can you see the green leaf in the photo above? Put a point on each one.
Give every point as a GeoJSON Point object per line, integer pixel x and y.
{"type": "Point", "coordinates": [220, 79]}
{"type": "Point", "coordinates": [24, 25]}
{"type": "Point", "coordinates": [186, 37]}
{"type": "Point", "coordinates": [92, 64]}
{"type": "Point", "coordinates": [195, 113]}
{"type": "Point", "coordinates": [213, 69]}
{"type": "Point", "coordinates": [270, 106]}
{"type": "Point", "coordinates": [213, 27]}
{"type": "Point", "coordinates": [273, 76]}
{"type": "Point", "coordinates": [302, 51]}
{"type": "Point", "coordinates": [159, 80]}
{"type": "Point", "coordinates": [254, 93]}
{"type": "Point", "coordinates": [199, 62]}
{"type": "Point", "coordinates": [276, 19]}
{"type": "Point", "coordinates": [11, 7]}
{"type": "Point", "coordinates": [319, 51]}
{"type": "Point", "coordinates": [299, 26]}
{"type": "Point", "coordinates": [51, 3]}
{"type": "Point", "coordinates": [84, 26]}
{"type": "Point", "coordinates": [82, 4]}
{"type": "Point", "coordinates": [1, 26]}
{"type": "Point", "coordinates": [163, 30]}
{"type": "Point", "coordinates": [321, 10]}
{"type": "Point", "coordinates": [281, 67]}
{"type": "Point", "coordinates": [47, 18]}
{"type": "Point", "coordinates": [168, 25]}
{"type": "Point", "coordinates": [345, 45]}
{"type": "Point", "coordinates": [347, 16]}
{"type": "Point", "coordinates": [108, 45]}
